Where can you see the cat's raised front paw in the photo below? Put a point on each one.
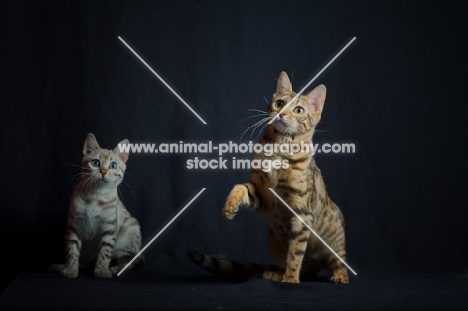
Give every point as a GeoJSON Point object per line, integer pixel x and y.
{"type": "Point", "coordinates": [238, 196]}
{"type": "Point", "coordinates": [102, 273]}
{"type": "Point", "coordinates": [228, 214]}
{"type": "Point", "coordinates": [230, 210]}
{"type": "Point", "coordinates": [69, 272]}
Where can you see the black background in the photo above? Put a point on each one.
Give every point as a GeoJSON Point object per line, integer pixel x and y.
{"type": "Point", "coordinates": [398, 92]}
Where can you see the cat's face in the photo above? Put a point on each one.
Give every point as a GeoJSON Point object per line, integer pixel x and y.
{"type": "Point", "coordinates": [302, 115]}
{"type": "Point", "coordinates": [102, 166]}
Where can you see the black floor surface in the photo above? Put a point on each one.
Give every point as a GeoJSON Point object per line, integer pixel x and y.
{"type": "Point", "coordinates": [145, 290]}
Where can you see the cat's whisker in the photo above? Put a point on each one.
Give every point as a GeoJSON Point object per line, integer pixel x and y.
{"type": "Point", "coordinates": [257, 115]}
{"type": "Point", "coordinates": [83, 181]}
{"type": "Point", "coordinates": [267, 119]}
{"type": "Point", "coordinates": [74, 176]}
{"type": "Point", "coordinates": [74, 165]}
{"type": "Point", "coordinates": [80, 174]}
{"type": "Point", "coordinates": [260, 132]}
{"type": "Point", "coordinates": [126, 173]}
{"type": "Point", "coordinates": [248, 128]}
{"type": "Point", "coordinates": [119, 192]}
{"type": "Point", "coordinates": [129, 187]}
{"type": "Point", "coordinates": [88, 182]}
{"type": "Point", "coordinates": [260, 123]}
{"type": "Point", "coordinates": [255, 124]}
{"type": "Point", "coordinates": [257, 110]}
{"type": "Point", "coordinates": [321, 130]}
{"type": "Point", "coordinates": [125, 183]}
{"type": "Point", "coordinates": [122, 178]}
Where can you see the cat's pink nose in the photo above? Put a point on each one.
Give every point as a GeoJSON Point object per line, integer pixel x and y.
{"type": "Point", "coordinates": [103, 172]}
{"type": "Point", "coordinates": [282, 114]}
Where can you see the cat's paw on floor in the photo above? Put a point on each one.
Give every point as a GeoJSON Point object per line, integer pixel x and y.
{"type": "Point", "coordinates": [273, 275]}
{"type": "Point", "coordinates": [69, 273]}
{"type": "Point", "coordinates": [290, 279]}
{"type": "Point", "coordinates": [340, 276]}
{"type": "Point", "coordinates": [103, 273]}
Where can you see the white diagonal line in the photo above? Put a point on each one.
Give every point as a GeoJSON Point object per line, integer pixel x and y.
{"type": "Point", "coordinates": [164, 82]}
{"type": "Point", "coordinates": [313, 231]}
{"type": "Point", "coordinates": [313, 79]}
{"type": "Point", "coordinates": [162, 230]}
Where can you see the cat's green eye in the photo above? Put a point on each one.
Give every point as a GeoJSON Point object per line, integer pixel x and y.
{"type": "Point", "coordinates": [113, 165]}
{"type": "Point", "coordinates": [279, 104]}
{"type": "Point", "coordinates": [95, 163]}
{"type": "Point", "coordinates": [299, 110]}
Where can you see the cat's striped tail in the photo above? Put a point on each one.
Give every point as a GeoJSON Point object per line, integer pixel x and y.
{"type": "Point", "coordinates": [228, 268]}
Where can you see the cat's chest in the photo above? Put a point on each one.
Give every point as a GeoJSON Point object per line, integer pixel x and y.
{"type": "Point", "coordinates": [89, 218]}
{"type": "Point", "coordinates": [286, 168]}
{"type": "Point", "coordinates": [282, 180]}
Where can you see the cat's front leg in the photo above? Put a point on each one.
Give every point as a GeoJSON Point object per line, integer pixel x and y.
{"type": "Point", "coordinates": [244, 195]}
{"type": "Point", "coordinates": [102, 269]}
{"type": "Point", "coordinates": [73, 248]}
{"type": "Point", "coordinates": [296, 250]}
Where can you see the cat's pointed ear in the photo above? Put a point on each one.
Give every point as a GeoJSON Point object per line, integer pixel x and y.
{"type": "Point", "coordinates": [283, 86]}
{"type": "Point", "coordinates": [122, 149]}
{"type": "Point", "coordinates": [90, 144]}
{"type": "Point", "coordinates": [316, 98]}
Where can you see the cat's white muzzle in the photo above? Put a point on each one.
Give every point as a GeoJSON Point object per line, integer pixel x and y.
{"type": "Point", "coordinates": [283, 125]}
{"type": "Point", "coordinates": [106, 179]}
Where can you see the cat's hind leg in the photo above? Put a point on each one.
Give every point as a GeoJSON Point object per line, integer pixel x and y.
{"type": "Point", "coordinates": [338, 269]}
{"type": "Point", "coordinates": [277, 249]}
{"type": "Point", "coordinates": [296, 251]}
{"type": "Point", "coordinates": [340, 273]}
{"type": "Point", "coordinates": [128, 246]}
{"type": "Point", "coordinates": [335, 265]}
